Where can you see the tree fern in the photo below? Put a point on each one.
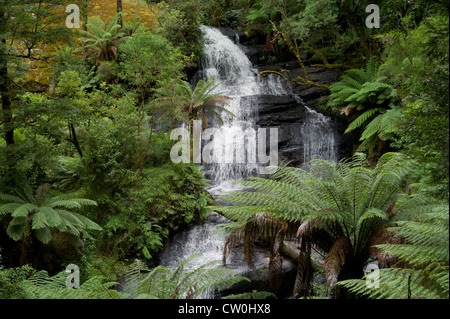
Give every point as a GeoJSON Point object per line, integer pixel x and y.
{"type": "Point", "coordinates": [202, 98]}
{"type": "Point", "coordinates": [384, 125]}
{"type": "Point", "coordinates": [425, 257]}
{"type": "Point", "coordinates": [347, 90]}
{"type": "Point", "coordinates": [363, 118]}
{"type": "Point", "coordinates": [322, 206]}
{"type": "Point", "coordinates": [101, 41]}
{"type": "Point", "coordinates": [361, 93]}
{"type": "Point", "coordinates": [43, 213]}
{"type": "Point", "coordinates": [42, 286]}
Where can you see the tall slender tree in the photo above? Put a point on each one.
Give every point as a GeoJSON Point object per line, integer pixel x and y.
{"type": "Point", "coordinates": [119, 10]}
{"type": "Point", "coordinates": [24, 26]}
{"type": "Point", "coordinates": [6, 117]}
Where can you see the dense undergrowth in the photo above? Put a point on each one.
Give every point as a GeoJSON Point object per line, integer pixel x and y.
{"type": "Point", "coordinates": [85, 170]}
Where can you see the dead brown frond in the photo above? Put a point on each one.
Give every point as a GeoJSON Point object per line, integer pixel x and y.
{"type": "Point", "coordinates": [204, 120]}
{"type": "Point", "coordinates": [266, 225]}
{"type": "Point", "coordinates": [382, 236]}
{"type": "Point", "coordinates": [276, 260]}
{"type": "Point", "coordinates": [302, 286]}
{"type": "Point", "coordinates": [305, 229]}
{"type": "Point", "coordinates": [250, 235]}
{"type": "Point", "coordinates": [224, 100]}
{"type": "Point", "coordinates": [335, 260]}
{"type": "Point", "coordinates": [346, 111]}
{"type": "Point", "coordinates": [233, 239]}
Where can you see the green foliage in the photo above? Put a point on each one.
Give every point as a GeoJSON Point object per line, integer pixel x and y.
{"type": "Point", "coordinates": [66, 59]}
{"type": "Point", "coordinates": [293, 193]}
{"type": "Point", "coordinates": [150, 60]}
{"type": "Point", "coordinates": [178, 22]}
{"type": "Point", "coordinates": [336, 207]}
{"type": "Point", "coordinates": [165, 198]}
{"type": "Point", "coordinates": [201, 100]}
{"type": "Point", "coordinates": [141, 283]}
{"type": "Point", "coordinates": [101, 41]}
{"type": "Point", "coordinates": [361, 89]}
{"type": "Point", "coordinates": [11, 282]}
{"type": "Point", "coordinates": [383, 127]}
{"type": "Point", "coordinates": [181, 283]}
{"type": "Point", "coordinates": [42, 286]}
{"type": "Point", "coordinates": [44, 212]}
{"type": "Point", "coordinates": [416, 60]}
{"type": "Point", "coordinates": [361, 93]}
{"type": "Point", "coordinates": [311, 20]}
{"type": "Point", "coordinates": [426, 254]}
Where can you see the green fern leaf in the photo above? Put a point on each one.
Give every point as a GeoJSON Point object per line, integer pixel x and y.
{"type": "Point", "coordinates": [24, 210]}
{"type": "Point", "coordinates": [360, 120]}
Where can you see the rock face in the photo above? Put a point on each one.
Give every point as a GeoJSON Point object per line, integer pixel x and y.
{"type": "Point", "coordinates": [290, 113]}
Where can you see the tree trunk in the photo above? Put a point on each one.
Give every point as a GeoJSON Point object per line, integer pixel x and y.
{"type": "Point", "coordinates": [23, 252]}
{"type": "Point", "coordinates": [74, 139]}
{"type": "Point", "coordinates": [119, 9]}
{"type": "Point", "coordinates": [4, 85]}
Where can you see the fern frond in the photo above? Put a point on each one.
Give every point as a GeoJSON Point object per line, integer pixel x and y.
{"type": "Point", "coordinates": [24, 210]}
{"type": "Point", "coordinates": [11, 198]}
{"type": "Point", "coordinates": [8, 208]}
{"type": "Point", "coordinates": [360, 120]}
{"type": "Point", "coordinates": [426, 255]}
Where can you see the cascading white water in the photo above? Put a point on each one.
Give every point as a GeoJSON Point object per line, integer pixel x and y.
{"type": "Point", "coordinates": [226, 62]}
{"type": "Point", "coordinates": [196, 239]}
{"type": "Point", "coordinates": [319, 138]}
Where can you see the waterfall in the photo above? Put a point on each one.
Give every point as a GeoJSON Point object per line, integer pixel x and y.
{"type": "Point", "coordinates": [225, 61]}
{"type": "Point", "coordinates": [318, 136]}
{"type": "Point", "coordinates": [197, 238]}
{"type": "Point", "coordinates": [228, 64]}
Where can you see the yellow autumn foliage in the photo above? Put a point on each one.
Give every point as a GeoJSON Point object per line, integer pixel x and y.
{"type": "Point", "coordinates": [106, 10]}
{"type": "Point", "coordinates": [39, 72]}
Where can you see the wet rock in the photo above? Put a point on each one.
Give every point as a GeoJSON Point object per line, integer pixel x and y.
{"type": "Point", "coordinates": [278, 110]}
{"type": "Point", "coordinates": [259, 275]}
{"type": "Point", "coordinates": [236, 36]}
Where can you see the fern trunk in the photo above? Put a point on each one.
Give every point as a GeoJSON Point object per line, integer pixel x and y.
{"type": "Point", "coordinates": [23, 251]}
